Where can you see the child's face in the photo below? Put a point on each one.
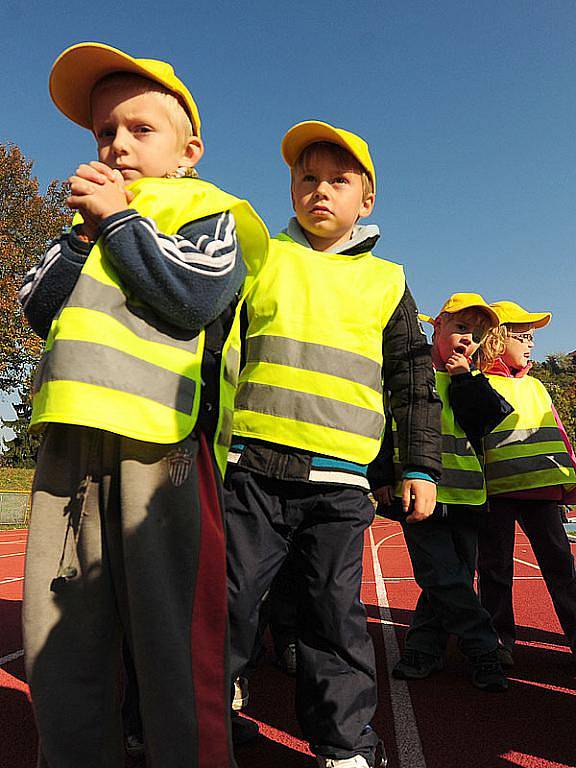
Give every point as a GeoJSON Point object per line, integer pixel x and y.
{"type": "Point", "coordinates": [460, 332]}
{"type": "Point", "coordinates": [519, 345]}
{"type": "Point", "coordinates": [135, 134]}
{"type": "Point", "coordinates": [328, 199]}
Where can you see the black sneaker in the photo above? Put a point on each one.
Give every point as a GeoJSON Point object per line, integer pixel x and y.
{"type": "Point", "coordinates": [134, 744]}
{"type": "Point", "coordinates": [244, 731]}
{"type": "Point", "coordinates": [487, 673]}
{"type": "Point", "coordinates": [287, 660]}
{"type": "Point", "coordinates": [505, 657]}
{"type": "Point", "coordinates": [416, 665]}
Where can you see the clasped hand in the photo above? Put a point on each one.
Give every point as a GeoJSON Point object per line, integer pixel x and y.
{"type": "Point", "coordinates": [96, 192]}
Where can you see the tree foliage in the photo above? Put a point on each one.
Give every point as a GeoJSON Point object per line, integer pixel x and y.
{"type": "Point", "coordinates": [558, 374]}
{"type": "Point", "coordinates": [28, 221]}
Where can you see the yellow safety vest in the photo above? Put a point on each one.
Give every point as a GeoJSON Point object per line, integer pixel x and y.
{"type": "Point", "coordinates": [313, 372]}
{"type": "Point", "coordinates": [526, 450]}
{"type": "Point", "coordinates": [111, 363]}
{"type": "Point", "coordinates": [462, 480]}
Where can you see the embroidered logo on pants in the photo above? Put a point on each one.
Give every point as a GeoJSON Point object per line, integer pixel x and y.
{"type": "Point", "coordinates": [179, 465]}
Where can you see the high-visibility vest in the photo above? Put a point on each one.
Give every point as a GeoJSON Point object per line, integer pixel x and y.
{"type": "Point", "coordinates": [526, 450]}
{"type": "Point", "coordinates": [111, 363]}
{"type": "Point", "coordinates": [313, 371]}
{"type": "Point", "coordinates": [462, 480]}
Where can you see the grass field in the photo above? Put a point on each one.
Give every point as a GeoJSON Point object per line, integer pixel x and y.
{"type": "Point", "coordinates": [15, 479]}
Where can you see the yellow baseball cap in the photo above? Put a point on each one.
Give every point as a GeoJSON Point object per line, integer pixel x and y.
{"type": "Point", "coordinates": [309, 132]}
{"type": "Point", "coordinates": [510, 312]}
{"type": "Point", "coordinates": [459, 301]}
{"type": "Point", "coordinates": [77, 70]}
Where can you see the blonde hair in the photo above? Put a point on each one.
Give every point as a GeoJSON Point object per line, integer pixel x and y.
{"type": "Point", "coordinates": [492, 347]}
{"type": "Point", "coordinates": [177, 115]}
{"type": "Point", "coordinates": [340, 155]}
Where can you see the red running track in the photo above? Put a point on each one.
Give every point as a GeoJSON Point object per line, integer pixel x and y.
{"type": "Point", "coordinates": [442, 722]}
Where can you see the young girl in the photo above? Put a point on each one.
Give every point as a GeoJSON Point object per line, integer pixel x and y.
{"type": "Point", "coordinates": [530, 470]}
{"type": "Point", "coordinates": [443, 547]}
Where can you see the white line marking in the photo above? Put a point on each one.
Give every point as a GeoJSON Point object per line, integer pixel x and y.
{"type": "Point", "coordinates": [9, 581]}
{"type": "Point", "coordinates": [398, 579]}
{"type": "Point", "coordinates": [11, 657]}
{"type": "Point", "coordinates": [524, 562]}
{"type": "Point", "coordinates": [13, 541]}
{"type": "Point", "coordinates": [387, 538]}
{"type": "Point", "coordinates": [15, 554]}
{"type": "Point", "coordinates": [410, 754]}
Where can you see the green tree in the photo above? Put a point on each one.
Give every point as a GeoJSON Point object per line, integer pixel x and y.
{"type": "Point", "coordinates": [558, 374]}
{"type": "Point", "coordinates": [28, 221]}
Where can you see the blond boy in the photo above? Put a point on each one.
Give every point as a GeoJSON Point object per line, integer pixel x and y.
{"type": "Point", "coordinates": [137, 303]}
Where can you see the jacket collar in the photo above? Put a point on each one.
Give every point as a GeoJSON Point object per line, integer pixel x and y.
{"type": "Point", "coordinates": [364, 238]}
{"type": "Point", "coordinates": [499, 368]}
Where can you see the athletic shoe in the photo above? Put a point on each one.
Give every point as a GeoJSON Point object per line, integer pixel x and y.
{"type": "Point", "coordinates": [287, 660]}
{"type": "Point", "coordinates": [358, 761]}
{"type": "Point", "coordinates": [416, 665]}
{"type": "Point", "coordinates": [244, 731]}
{"type": "Point", "coordinates": [134, 744]}
{"type": "Point", "coordinates": [487, 673]}
{"type": "Point", "coordinates": [241, 694]}
{"type": "Point", "coordinates": [505, 657]}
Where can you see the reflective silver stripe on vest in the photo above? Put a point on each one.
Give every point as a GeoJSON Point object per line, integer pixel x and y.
{"type": "Point", "coordinates": [312, 409]}
{"type": "Point", "coordinates": [524, 436]}
{"type": "Point", "coordinates": [457, 446]}
{"type": "Point", "coordinates": [467, 480]}
{"type": "Point", "coordinates": [521, 465]}
{"type": "Point", "coordinates": [106, 367]}
{"type": "Point", "coordinates": [315, 357]}
{"type": "Point", "coordinates": [232, 366]}
{"type": "Point", "coordinates": [225, 435]}
{"type": "Point", "coordinates": [92, 294]}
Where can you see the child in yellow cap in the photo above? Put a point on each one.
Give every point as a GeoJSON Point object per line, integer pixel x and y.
{"type": "Point", "coordinates": [443, 547]}
{"type": "Point", "coordinates": [328, 322]}
{"type": "Point", "coordinates": [530, 470]}
{"type": "Point", "coordinates": [134, 395]}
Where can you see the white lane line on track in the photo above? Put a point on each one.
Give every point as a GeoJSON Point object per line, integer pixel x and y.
{"type": "Point", "coordinates": [11, 657]}
{"type": "Point", "coordinates": [387, 538]}
{"type": "Point", "coordinates": [525, 562]}
{"type": "Point", "coordinates": [13, 541]}
{"type": "Point", "coordinates": [9, 581]}
{"type": "Point", "coordinates": [15, 554]}
{"type": "Point", "coordinates": [410, 754]}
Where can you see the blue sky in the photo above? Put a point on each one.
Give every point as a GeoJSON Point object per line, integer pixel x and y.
{"type": "Point", "coordinates": [469, 108]}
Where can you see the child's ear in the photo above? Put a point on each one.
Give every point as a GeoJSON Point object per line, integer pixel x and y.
{"type": "Point", "coordinates": [367, 206]}
{"type": "Point", "coordinates": [192, 153]}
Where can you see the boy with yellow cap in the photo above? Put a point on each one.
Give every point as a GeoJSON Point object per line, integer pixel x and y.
{"type": "Point", "coordinates": [530, 470]}
{"type": "Point", "coordinates": [443, 548]}
{"type": "Point", "coordinates": [134, 395]}
{"type": "Point", "coordinates": [331, 327]}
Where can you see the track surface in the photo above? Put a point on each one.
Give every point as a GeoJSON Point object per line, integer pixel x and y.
{"type": "Point", "coordinates": [442, 722]}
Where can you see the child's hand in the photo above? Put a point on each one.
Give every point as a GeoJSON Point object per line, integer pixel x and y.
{"type": "Point", "coordinates": [385, 495]}
{"type": "Point", "coordinates": [418, 498]}
{"type": "Point", "coordinates": [97, 191]}
{"type": "Point", "coordinates": [457, 363]}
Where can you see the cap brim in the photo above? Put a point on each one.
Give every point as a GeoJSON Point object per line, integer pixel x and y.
{"type": "Point", "coordinates": [309, 132]}
{"type": "Point", "coordinates": [302, 135]}
{"type": "Point", "coordinates": [77, 70]}
{"type": "Point", "coordinates": [426, 318]}
{"type": "Point", "coordinates": [487, 311]}
{"type": "Point", "coordinates": [538, 319]}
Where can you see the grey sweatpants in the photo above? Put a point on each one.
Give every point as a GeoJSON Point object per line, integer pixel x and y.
{"type": "Point", "coordinates": [126, 537]}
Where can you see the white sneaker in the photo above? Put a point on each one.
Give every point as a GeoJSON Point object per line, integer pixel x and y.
{"type": "Point", "coordinates": [358, 761]}
{"type": "Point", "coordinates": [240, 694]}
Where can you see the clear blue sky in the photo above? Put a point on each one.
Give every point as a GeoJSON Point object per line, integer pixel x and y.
{"type": "Point", "coordinates": [469, 108]}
